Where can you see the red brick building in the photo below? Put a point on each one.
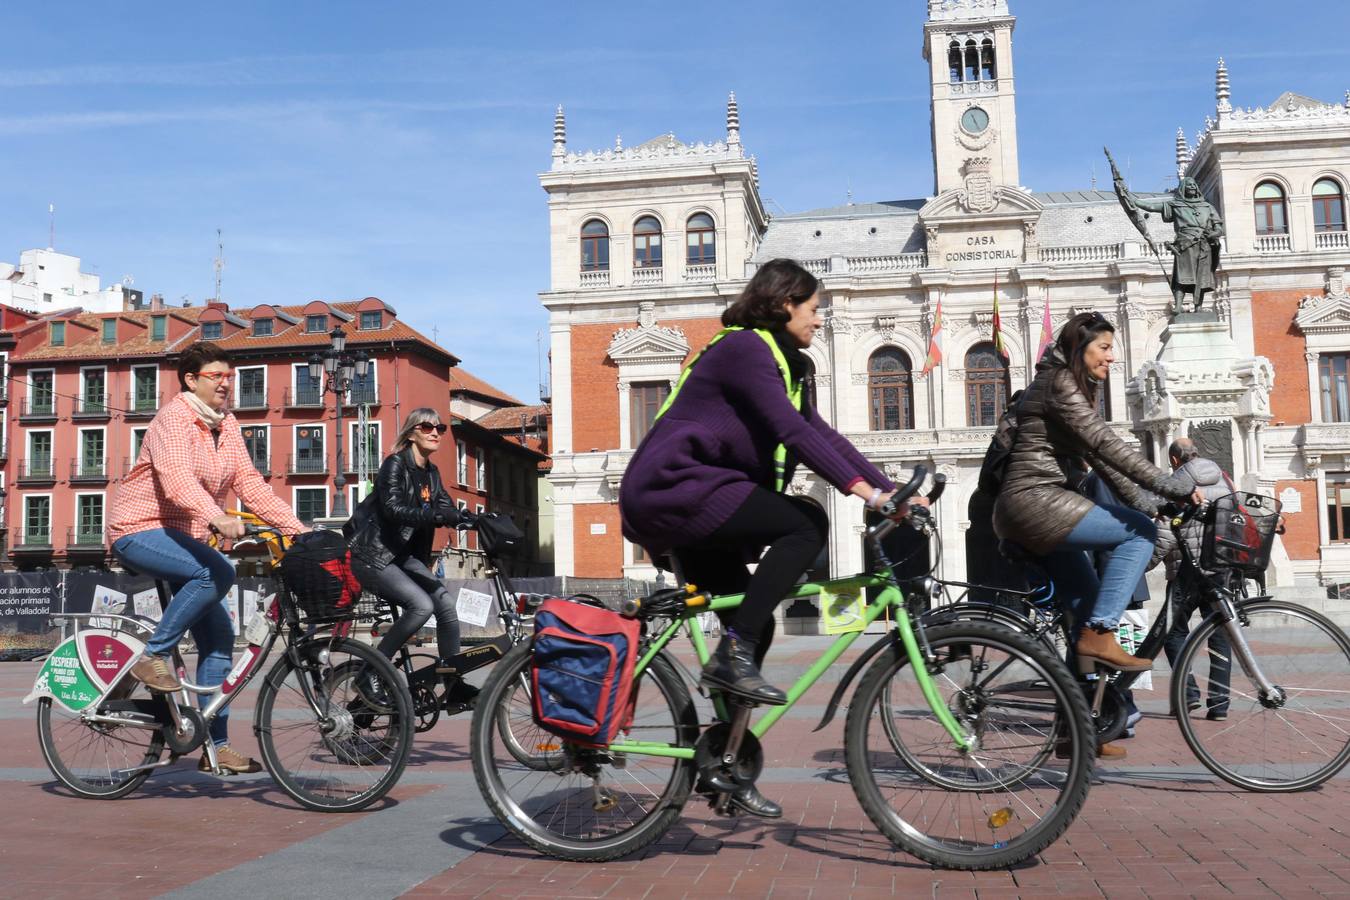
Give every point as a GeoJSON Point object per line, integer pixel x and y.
{"type": "Point", "coordinates": [87, 385]}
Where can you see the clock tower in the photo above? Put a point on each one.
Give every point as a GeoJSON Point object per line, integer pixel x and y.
{"type": "Point", "coordinates": [968, 46]}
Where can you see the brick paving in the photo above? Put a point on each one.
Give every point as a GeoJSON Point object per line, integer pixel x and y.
{"type": "Point", "coordinates": [1156, 825]}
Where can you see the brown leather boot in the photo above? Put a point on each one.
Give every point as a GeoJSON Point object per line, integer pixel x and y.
{"type": "Point", "coordinates": [1110, 751]}
{"type": "Point", "coordinates": [232, 762]}
{"type": "Point", "coordinates": [156, 673]}
{"type": "Point", "coordinates": [1102, 646]}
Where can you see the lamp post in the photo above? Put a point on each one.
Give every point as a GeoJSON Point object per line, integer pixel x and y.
{"type": "Point", "coordinates": [339, 367]}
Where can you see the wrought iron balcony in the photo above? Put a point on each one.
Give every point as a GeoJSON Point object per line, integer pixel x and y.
{"type": "Point", "coordinates": [39, 406]}
{"type": "Point", "coordinates": [85, 537]}
{"type": "Point", "coordinates": [35, 538]}
{"type": "Point", "coordinates": [306, 396]}
{"type": "Point", "coordinates": [92, 406]}
{"type": "Point", "coordinates": [87, 470]}
{"type": "Point", "coordinates": [36, 470]}
{"type": "Point", "coordinates": [253, 399]}
{"type": "Point", "coordinates": [306, 465]}
{"type": "Point", "coordinates": [142, 406]}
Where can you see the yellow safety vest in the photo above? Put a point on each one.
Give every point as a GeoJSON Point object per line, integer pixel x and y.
{"type": "Point", "coordinates": [794, 391]}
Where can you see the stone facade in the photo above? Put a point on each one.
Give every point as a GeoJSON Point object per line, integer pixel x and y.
{"type": "Point", "coordinates": [622, 332]}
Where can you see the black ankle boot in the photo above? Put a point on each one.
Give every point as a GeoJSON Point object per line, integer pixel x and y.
{"type": "Point", "coordinates": [750, 800]}
{"type": "Point", "coordinates": [370, 688]}
{"type": "Point", "coordinates": [732, 669]}
{"type": "Point", "coordinates": [459, 695]}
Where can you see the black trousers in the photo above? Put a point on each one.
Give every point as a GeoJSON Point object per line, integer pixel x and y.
{"type": "Point", "coordinates": [1185, 602]}
{"type": "Point", "coordinates": [793, 529]}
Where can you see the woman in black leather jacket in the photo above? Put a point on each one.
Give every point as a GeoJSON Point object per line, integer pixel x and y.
{"type": "Point", "coordinates": [390, 537]}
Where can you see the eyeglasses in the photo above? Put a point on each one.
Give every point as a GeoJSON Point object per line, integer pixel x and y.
{"type": "Point", "coordinates": [428, 428]}
{"type": "Point", "coordinates": [214, 377]}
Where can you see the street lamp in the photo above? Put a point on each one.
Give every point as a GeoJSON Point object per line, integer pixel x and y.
{"type": "Point", "coordinates": [339, 366]}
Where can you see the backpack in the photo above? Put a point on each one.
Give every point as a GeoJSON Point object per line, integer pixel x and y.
{"type": "Point", "coordinates": [317, 571]}
{"type": "Point", "coordinates": [995, 464]}
{"type": "Point", "coordinates": [581, 671]}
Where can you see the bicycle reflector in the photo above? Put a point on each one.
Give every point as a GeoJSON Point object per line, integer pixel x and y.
{"type": "Point", "coordinates": [1000, 817]}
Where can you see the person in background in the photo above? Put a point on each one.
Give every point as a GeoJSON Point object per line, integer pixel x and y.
{"type": "Point", "coordinates": [1212, 482]}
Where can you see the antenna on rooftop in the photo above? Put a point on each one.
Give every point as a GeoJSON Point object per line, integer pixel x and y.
{"type": "Point", "coordinates": [51, 226]}
{"type": "Point", "coordinates": [220, 261]}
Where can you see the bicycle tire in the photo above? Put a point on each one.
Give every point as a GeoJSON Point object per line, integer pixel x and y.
{"type": "Point", "coordinates": [1249, 730]}
{"type": "Point", "coordinates": [530, 745]}
{"type": "Point", "coordinates": [1047, 715]}
{"type": "Point", "coordinates": [351, 753]}
{"type": "Point", "coordinates": [569, 796]}
{"type": "Point", "coordinates": [108, 749]}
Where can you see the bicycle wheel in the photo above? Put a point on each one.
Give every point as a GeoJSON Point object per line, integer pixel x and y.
{"type": "Point", "coordinates": [532, 746]}
{"type": "Point", "coordinates": [326, 745]}
{"type": "Point", "coordinates": [1007, 799]}
{"type": "Point", "coordinates": [1291, 741]}
{"type": "Point", "coordinates": [596, 805]}
{"type": "Point", "coordinates": [97, 760]}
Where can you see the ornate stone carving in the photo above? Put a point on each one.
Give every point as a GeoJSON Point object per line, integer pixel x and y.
{"type": "Point", "coordinates": [950, 471]}
{"type": "Point", "coordinates": [1329, 314]}
{"type": "Point", "coordinates": [979, 194]}
{"type": "Point", "coordinates": [956, 374]}
{"type": "Point", "coordinates": [649, 341]}
{"type": "Point", "coordinates": [859, 379]}
{"type": "Point", "coordinates": [1310, 356]}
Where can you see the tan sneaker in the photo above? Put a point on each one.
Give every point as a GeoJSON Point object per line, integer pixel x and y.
{"type": "Point", "coordinates": [231, 762]}
{"type": "Point", "coordinates": [157, 674]}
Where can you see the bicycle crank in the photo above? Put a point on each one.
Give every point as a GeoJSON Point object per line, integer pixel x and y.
{"type": "Point", "coordinates": [715, 776]}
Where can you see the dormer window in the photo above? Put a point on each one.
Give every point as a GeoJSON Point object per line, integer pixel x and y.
{"type": "Point", "coordinates": [372, 320]}
{"type": "Point", "coordinates": [262, 327]}
{"type": "Point", "coordinates": [211, 331]}
{"type": "Point", "coordinates": [316, 324]}
{"type": "Point", "coordinates": [158, 327]}
{"type": "Point", "coordinates": [58, 334]}
{"type": "Point", "coordinates": [109, 331]}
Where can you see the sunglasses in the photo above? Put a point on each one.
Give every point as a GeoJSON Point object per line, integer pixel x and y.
{"type": "Point", "coordinates": [428, 428]}
{"type": "Point", "coordinates": [215, 377]}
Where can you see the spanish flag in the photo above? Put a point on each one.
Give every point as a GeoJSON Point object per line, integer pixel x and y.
{"type": "Point", "coordinates": [935, 342]}
{"type": "Point", "coordinates": [998, 324]}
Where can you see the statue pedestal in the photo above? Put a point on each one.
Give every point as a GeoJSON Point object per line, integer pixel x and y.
{"type": "Point", "coordinates": [1202, 387]}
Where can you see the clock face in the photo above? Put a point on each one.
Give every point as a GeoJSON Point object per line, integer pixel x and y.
{"type": "Point", "coordinates": [975, 120]}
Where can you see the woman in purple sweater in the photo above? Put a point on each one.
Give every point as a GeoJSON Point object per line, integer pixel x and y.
{"type": "Point", "coordinates": [704, 484]}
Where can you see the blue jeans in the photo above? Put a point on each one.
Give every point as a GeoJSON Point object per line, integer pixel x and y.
{"type": "Point", "coordinates": [200, 577]}
{"type": "Point", "coordinates": [1128, 535]}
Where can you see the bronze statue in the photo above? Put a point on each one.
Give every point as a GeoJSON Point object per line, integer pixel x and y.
{"type": "Point", "coordinates": [1195, 250]}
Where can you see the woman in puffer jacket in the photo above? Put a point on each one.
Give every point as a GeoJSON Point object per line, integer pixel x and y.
{"type": "Point", "coordinates": [1059, 432]}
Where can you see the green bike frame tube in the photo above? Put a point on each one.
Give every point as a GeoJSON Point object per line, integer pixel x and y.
{"type": "Point", "coordinates": [889, 597]}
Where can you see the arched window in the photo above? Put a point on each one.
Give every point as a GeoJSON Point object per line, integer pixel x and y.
{"type": "Point", "coordinates": [595, 246]}
{"type": "Point", "coordinates": [1269, 200]}
{"type": "Point", "coordinates": [701, 240]}
{"type": "Point", "coordinates": [972, 62]}
{"type": "Point", "coordinates": [954, 61]}
{"type": "Point", "coordinates": [1328, 206]}
{"type": "Point", "coordinates": [890, 390]}
{"type": "Point", "coordinates": [987, 70]}
{"type": "Point", "coordinates": [986, 385]}
{"type": "Point", "coordinates": [647, 243]}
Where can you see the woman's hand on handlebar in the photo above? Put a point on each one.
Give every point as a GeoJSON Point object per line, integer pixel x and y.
{"type": "Point", "coordinates": [901, 512]}
{"type": "Point", "coordinates": [228, 526]}
{"type": "Point", "coordinates": [1197, 497]}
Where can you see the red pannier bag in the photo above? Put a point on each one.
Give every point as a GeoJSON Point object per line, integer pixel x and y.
{"type": "Point", "coordinates": [582, 671]}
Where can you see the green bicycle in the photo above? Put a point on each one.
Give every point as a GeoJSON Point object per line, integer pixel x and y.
{"type": "Point", "coordinates": [995, 713]}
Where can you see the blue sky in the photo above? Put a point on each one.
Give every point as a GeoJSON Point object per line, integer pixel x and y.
{"type": "Point", "coordinates": [349, 149]}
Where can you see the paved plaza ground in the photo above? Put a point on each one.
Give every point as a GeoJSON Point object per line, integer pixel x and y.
{"type": "Point", "coordinates": [1157, 824]}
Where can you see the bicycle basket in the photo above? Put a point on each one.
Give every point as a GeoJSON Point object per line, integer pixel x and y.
{"type": "Point", "coordinates": [498, 535]}
{"type": "Point", "coordinates": [317, 573]}
{"type": "Point", "coordinates": [1239, 532]}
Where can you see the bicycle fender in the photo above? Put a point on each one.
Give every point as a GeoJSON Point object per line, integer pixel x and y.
{"type": "Point", "coordinates": [891, 638]}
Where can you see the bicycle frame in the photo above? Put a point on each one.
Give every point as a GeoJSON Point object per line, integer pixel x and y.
{"type": "Point", "coordinates": [889, 598]}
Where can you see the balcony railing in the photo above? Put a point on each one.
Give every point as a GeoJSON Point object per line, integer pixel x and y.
{"type": "Point", "coordinates": [1085, 253]}
{"type": "Point", "coordinates": [37, 469]}
{"type": "Point", "coordinates": [700, 272]}
{"type": "Point", "coordinates": [262, 463]}
{"type": "Point", "coordinates": [1332, 240]}
{"type": "Point", "coordinates": [1274, 243]}
{"type": "Point", "coordinates": [142, 406]}
{"type": "Point", "coordinates": [92, 406]}
{"type": "Point", "coordinates": [647, 275]}
{"type": "Point", "coordinates": [595, 278]}
{"type": "Point", "coordinates": [88, 470]}
{"type": "Point", "coordinates": [306, 396]}
{"type": "Point", "coordinates": [363, 395]}
{"type": "Point", "coordinates": [41, 406]}
{"type": "Point", "coordinates": [254, 399]}
{"type": "Point", "coordinates": [306, 465]}
{"type": "Point", "coordinates": [899, 262]}
{"type": "Point", "coordinates": [86, 537]}
{"type": "Point", "coordinates": [373, 461]}
{"type": "Point", "coordinates": [33, 539]}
